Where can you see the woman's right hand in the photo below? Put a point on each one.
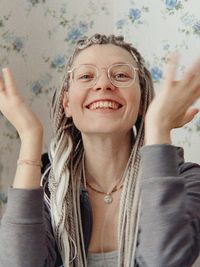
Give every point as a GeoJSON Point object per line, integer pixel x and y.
{"type": "Point", "coordinates": [14, 108]}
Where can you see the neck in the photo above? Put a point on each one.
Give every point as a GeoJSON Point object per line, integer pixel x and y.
{"type": "Point", "coordinates": [106, 158]}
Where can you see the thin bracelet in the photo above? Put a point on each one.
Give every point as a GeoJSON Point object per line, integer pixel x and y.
{"type": "Point", "coordinates": [29, 162]}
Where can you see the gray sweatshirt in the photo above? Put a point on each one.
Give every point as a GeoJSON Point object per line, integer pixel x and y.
{"type": "Point", "coordinates": [169, 234]}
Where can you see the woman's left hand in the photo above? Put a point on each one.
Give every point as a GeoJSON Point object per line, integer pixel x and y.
{"type": "Point", "coordinates": [172, 107]}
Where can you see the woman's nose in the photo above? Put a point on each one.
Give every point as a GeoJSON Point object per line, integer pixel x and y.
{"type": "Point", "coordinates": [103, 81]}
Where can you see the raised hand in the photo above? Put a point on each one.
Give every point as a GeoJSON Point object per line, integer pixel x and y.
{"type": "Point", "coordinates": [14, 108]}
{"type": "Point", "coordinates": [172, 107]}
{"type": "Point", "coordinates": [30, 131]}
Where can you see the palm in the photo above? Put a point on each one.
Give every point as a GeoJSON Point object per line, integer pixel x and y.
{"type": "Point", "coordinates": [172, 108]}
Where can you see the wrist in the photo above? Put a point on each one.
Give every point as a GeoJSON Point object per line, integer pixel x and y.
{"type": "Point", "coordinates": [31, 146]}
{"type": "Point", "coordinates": [157, 135]}
{"type": "Point", "coordinates": [32, 135]}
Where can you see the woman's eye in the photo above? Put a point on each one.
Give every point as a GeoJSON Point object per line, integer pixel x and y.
{"type": "Point", "coordinates": [86, 77]}
{"type": "Point", "coordinates": [121, 76]}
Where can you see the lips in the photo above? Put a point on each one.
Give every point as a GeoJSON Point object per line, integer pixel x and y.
{"type": "Point", "coordinates": [104, 104]}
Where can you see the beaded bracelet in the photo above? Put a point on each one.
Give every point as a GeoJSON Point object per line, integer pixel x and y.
{"type": "Point", "coordinates": [29, 162]}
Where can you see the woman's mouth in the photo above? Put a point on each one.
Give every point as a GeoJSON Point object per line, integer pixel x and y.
{"type": "Point", "coordinates": [106, 104]}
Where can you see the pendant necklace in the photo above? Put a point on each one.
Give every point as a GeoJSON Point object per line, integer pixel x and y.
{"type": "Point", "coordinates": [108, 198]}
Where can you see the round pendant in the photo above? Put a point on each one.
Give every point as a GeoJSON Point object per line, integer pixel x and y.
{"type": "Point", "coordinates": [108, 199]}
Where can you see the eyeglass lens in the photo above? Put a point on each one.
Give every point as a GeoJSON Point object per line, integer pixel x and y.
{"type": "Point", "coordinates": [120, 75]}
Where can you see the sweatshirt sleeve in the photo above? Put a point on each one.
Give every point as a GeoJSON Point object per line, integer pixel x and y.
{"type": "Point", "coordinates": [25, 238]}
{"type": "Point", "coordinates": [169, 234]}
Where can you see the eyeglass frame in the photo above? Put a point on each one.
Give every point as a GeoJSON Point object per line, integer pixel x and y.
{"type": "Point", "coordinates": [135, 69]}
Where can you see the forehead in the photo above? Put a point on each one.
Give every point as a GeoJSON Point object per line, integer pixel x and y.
{"type": "Point", "coordinates": [103, 55]}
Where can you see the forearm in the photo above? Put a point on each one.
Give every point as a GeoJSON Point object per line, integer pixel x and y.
{"type": "Point", "coordinates": [28, 176]}
{"type": "Point", "coordinates": [22, 230]}
{"type": "Point", "coordinates": [167, 236]}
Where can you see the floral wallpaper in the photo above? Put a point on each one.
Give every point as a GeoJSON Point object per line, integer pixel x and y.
{"type": "Point", "coordinates": [37, 36]}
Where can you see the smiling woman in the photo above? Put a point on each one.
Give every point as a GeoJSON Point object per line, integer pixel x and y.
{"type": "Point", "coordinates": [91, 90]}
{"type": "Point", "coordinates": [116, 191]}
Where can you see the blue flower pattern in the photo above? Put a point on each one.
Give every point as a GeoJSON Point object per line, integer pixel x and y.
{"type": "Point", "coordinates": [170, 4]}
{"type": "Point", "coordinates": [134, 14]}
{"type": "Point", "coordinates": [135, 19]}
{"type": "Point", "coordinates": [18, 44]}
{"type": "Point", "coordinates": [196, 27]}
{"type": "Point", "coordinates": [58, 62]}
{"type": "Point", "coordinates": [36, 88]}
{"type": "Point", "coordinates": [156, 73]}
{"type": "Point", "coordinates": [74, 35]}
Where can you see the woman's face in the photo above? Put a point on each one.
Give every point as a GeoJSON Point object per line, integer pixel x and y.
{"type": "Point", "coordinates": [104, 108]}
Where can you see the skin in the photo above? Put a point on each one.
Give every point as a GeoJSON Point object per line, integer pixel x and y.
{"type": "Point", "coordinates": [106, 136]}
{"type": "Point", "coordinates": [172, 108]}
{"type": "Point", "coordinates": [106, 133]}
{"type": "Point", "coordinates": [29, 128]}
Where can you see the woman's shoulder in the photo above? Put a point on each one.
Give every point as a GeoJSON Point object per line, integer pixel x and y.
{"type": "Point", "coordinates": [187, 167]}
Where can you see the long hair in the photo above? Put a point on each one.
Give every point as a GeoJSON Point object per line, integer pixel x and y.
{"type": "Point", "coordinates": [66, 152]}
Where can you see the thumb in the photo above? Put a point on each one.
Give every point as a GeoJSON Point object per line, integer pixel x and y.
{"type": "Point", "coordinates": [189, 115]}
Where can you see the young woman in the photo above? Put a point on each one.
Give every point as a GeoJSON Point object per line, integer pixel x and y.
{"type": "Point", "coordinates": [109, 199]}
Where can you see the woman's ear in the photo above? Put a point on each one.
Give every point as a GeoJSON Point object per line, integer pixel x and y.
{"type": "Point", "coordinates": [66, 105]}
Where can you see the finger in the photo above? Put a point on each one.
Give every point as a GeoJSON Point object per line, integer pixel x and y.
{"type": "Point", "coordinates": [9, 81]}
{"type": "Point", "coordinates": [189, 115]}
{"type": "Point", "coordinates": [195, 86]}
{"type": "Point", "coordinates": [191, 90]}
{"type": "Point", "coordinates": [194, 71]}
{"type": "Point", "coordinates": [171, 67]}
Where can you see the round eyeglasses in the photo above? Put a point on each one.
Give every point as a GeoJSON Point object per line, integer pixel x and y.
{"type": "Point", "coordinates": [120, 75]}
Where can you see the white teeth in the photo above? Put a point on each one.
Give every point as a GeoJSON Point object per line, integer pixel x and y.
{"type": "Point", "coordinates": [101, 104]}
{"type": "Point", "coordinates": [104, 105]}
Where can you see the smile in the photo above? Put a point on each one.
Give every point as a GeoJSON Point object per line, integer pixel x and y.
{"type": "Point", "coordinates": [104, 105]}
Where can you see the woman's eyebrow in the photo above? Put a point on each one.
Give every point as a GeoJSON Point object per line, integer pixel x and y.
{"type": "Point", "coordinates": [116, 62]}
